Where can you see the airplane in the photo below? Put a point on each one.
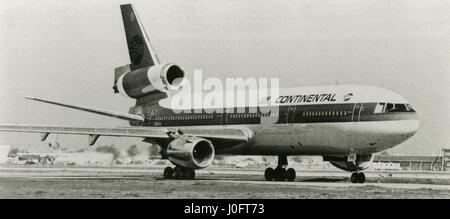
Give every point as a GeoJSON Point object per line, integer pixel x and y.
{"type": "Point", "coordinates": [345, 124]}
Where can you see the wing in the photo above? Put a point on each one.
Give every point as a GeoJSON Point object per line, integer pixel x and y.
{"type": "Point", "coordinates": [239, 135]}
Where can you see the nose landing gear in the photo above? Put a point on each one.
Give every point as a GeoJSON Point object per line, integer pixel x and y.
{"type": "Point", "coordinates": [358, 177]}
{"type": "Point", "coordinates": [280, 173]}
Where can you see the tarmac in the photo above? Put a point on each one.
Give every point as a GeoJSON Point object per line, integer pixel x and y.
{"type": "Point", "coordinates": [314, 181]}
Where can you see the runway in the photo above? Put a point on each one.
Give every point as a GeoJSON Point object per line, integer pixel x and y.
{"type": "Point", "coordinates": [215, 182]}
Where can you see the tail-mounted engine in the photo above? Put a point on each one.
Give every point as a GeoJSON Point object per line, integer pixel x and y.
{"type": "Point", "coordinates": [190, 152]}
{"type": "Point", "coordinates": [149, 80]}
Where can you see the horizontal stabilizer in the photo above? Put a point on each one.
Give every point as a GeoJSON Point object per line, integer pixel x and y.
{"type": "Point", "coordinates": [118, 115]}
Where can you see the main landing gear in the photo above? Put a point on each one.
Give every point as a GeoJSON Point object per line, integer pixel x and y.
{"type": "Point", "coordinates": [179, 172]}
{"type": "Point", "coordinates": [358, 177]}
{"type": "Point", "coordinates": [280, 173]}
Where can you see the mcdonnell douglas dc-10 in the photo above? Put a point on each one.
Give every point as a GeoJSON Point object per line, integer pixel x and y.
{"type": "Point", "coordinates": [345, 124]}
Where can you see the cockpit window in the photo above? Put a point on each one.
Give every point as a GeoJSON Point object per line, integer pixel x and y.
{"type": "Point", "coordinates": [401, 107]}
{"type": "Point", "coordinates": [391, 107]}
{"type": "Point", "coordinates": [409, 107]}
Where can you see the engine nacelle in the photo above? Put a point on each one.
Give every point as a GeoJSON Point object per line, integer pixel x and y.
{"type": "Point", "coordinates": [191, 152]}
{"type": "Point", "coordinates": [145, 81]}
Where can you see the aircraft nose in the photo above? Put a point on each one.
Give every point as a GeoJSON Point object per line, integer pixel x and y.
{"type": "Point", "coordinates": [412, 126]}
{"type": "Point", "coordinates": [415, 125]}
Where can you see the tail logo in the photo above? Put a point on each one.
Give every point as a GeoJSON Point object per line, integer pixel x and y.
{"type": "Point", "coordinates": [131, 16]}
{"type": "Point", "coordinates": [348, 96]}
{"type": "Point", "coordinates": [136, 49]}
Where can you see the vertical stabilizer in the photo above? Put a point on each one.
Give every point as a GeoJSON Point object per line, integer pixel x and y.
{"type": "Point", "coordinates": [139, 47]}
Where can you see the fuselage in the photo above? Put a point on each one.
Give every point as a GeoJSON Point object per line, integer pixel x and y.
{"type": "Point", "coordinates": [322, 120]}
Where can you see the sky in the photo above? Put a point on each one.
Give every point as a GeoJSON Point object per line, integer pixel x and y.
{"type": "Point", "coordinates": [67, 51]}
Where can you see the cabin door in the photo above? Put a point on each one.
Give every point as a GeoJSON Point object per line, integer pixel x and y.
{"type": "Point", "coordinates": [291, 114]}
{"type": "Point", "coordinates": [222, 117]}
{"type": "Point", "coordinates": [356, 112]}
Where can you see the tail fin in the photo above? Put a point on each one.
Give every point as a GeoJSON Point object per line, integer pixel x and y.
{"type": "Point", "coordinates": [139, 47]}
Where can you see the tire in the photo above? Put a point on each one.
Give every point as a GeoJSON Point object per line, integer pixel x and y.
{"type": "Point", "coordinates": [354, 178]}
{"type": "Point", "coordinates": [361, 178]}
{"type": "Point", "coordinates": [269, 174]}
{"type": "Point", "coordinates": [168, 173]}
{"type": "Point", "coordinates": [290, 175]}
{"type": "Point", "coordinates": [177, 173]}
{"type": "Point", "coordinates": [280, 174]}
{"type": "Point", "coordinates": [189, 174]}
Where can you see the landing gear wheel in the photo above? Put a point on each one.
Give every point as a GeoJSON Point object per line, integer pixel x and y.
{"type": "Point", "coordinates": [269, 174]}
{"type": "Point", "coordinates": [353, 178]}
{"type": "Point", "coordinates": [280, 174]}
{"type": "Point", "coordinates": [358, 178]}
{"type": "Point", "coordinates": [183, 173]}
{"type": "Point", "coordinates": [290, 175]}
{"type": "Point", "coordinates": [168, 173]}
{"type": "Point", "coordinates": [189, 174]}
{"type": "Point", "coordinates": [177, 173]}
{"type": "Point", "coordinates": [361, 178]}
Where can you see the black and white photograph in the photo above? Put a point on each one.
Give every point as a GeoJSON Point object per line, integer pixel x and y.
{"type": "Point", "coordinates": [225, 99]}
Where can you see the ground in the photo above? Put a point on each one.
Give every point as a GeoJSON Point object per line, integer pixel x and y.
{"type": "Point", "coordinates": [229, 184]}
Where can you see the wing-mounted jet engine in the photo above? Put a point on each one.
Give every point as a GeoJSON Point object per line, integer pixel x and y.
{"type": "Point", "coordinates": [191, 152]}
{"type": "Point", "coordinates": [187, 153]}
